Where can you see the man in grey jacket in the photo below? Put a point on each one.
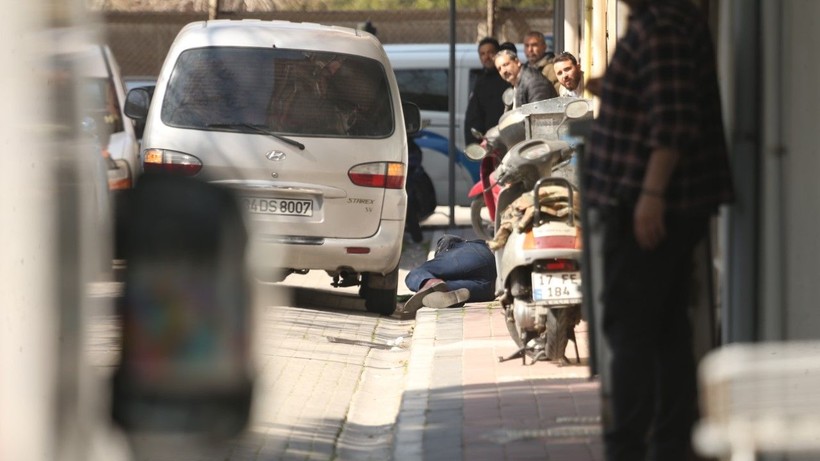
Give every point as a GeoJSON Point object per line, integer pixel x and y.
{"type": "Point", "coordinates": [528, 83]}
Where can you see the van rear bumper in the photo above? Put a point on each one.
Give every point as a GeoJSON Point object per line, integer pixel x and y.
{"type": "Point", "coordinates": [269, 253]}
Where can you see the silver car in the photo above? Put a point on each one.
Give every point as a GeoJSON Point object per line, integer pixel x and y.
{"type": "Point", "coordinates": [304, 123]}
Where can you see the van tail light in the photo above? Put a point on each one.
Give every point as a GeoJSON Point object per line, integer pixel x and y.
{"type": "Point", "coordinates": [119, 175]}
{"type": "Point", "coordinates": [386, 175]}
{"type": "Point", "coordinates": [169, 161]}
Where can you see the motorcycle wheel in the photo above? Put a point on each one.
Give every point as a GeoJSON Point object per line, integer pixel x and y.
{"type": "Point", "coordinates": [483, 228]}
{"type": "Point", "coordinates": [559, 324]}
{"type": "Point", "coordinates": [379, 291]}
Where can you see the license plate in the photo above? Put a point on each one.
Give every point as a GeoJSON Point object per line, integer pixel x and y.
{"type": "Point", "coordinates": [557, 287]}
{"type": "Point", "coordinates": [278, 206]}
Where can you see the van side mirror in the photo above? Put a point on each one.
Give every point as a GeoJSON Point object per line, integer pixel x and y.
{"type": "Point", "coordinates": [137, 103]}
{"type": "Point", "coordinates": [412, 117]}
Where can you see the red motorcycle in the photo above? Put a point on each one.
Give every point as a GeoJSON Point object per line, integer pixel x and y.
{"type": "Point", "coordinates": [484, 195]}
{"type": "Point", "coordinates": [493, 147]}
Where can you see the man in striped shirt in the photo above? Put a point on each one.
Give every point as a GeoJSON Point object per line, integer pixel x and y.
{"type": "Point", "coordinates": [656, 171]}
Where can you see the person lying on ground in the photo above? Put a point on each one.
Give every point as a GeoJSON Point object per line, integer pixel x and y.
{"type": "Point", "coordinates": [461, 270]}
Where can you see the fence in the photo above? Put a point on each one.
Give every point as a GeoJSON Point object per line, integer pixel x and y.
{"type": "Point", "coordinates": [141, 40]}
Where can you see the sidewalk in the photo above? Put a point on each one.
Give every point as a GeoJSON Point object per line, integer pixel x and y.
{"type": "Point", "coordinates": [460, 403]}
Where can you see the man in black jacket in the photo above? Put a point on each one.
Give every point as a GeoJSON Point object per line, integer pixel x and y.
{"type": "Point", "coordinates": [485, 106]}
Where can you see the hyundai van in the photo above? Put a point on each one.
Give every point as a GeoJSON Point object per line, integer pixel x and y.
{"type": "Point", "coordinates": [305, 124]}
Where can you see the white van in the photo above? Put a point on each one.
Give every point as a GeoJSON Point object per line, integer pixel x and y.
{"type": "Point", "coordinates": [305, 124]}
{"type": "Point", "coordinates": [422, 72]}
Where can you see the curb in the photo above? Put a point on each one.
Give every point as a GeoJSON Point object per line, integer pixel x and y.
{"type": "Point", "coordinates": [412, 416]}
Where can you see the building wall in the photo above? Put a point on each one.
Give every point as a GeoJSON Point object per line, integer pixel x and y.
{"type": "Point", "coordinates": [773, 272]}
{"type": "Point", "coordinates": [792, 165]}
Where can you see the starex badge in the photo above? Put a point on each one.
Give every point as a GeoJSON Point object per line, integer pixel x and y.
{"type": "Point", "coordinates": [275, 155]}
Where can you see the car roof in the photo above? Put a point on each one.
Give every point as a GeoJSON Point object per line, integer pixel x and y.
{"type": "Point", "coordinates": [430, 47]}
{"type": "Point", "coordinates": [432, 55]}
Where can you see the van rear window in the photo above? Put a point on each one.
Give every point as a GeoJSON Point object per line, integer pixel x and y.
{"type": "Point", "coordinates": [286, 91]}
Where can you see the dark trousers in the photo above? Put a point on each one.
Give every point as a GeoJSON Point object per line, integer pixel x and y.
{"type": "Point", "coordinates": [467, 264]}
{"type": "Point", "coordinates": [646, 323]}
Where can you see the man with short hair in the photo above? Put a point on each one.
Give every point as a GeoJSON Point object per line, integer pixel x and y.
{"type": "Point", "coordinates": [485, 106]}
{"type": "Point", "coordinates": [538, 57]}
{"type": "Point", "coordinates": [570, 75]}
{"type": "Point", "coordinates": [529, 85]}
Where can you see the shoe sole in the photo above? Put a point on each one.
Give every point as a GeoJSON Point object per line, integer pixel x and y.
{"type": "Point", "coordinates": [442, 299]}
{"type": "Point", "coordinates": [416, 301]}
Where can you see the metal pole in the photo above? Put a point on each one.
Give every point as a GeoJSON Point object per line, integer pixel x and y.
{"type": "Point", "coordinates": [491, 18]}
{"type": "Point", "coordinates": [452, 108]}
{"type": "Point", "coordinates": [742, 307]}
{"type": "Point", "coordinates": [558, 15]}
{"type": "Point", "coordinates": [213, 9]}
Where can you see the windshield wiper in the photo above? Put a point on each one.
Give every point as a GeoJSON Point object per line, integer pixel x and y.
{"type": "Point", "coordinates": [260, 129]}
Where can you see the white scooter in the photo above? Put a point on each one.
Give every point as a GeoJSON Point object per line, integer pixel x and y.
{"type": "Point", "coordinates": [538, 247]}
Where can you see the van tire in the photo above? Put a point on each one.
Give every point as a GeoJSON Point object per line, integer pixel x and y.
{"type": "Point", "coordinates": [379, 291]}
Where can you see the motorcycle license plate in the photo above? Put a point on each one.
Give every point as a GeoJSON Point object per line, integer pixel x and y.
{"type": "Point", "coordinates": [557, 287]}
{"type": "Point", "coordinates": [278, 206]}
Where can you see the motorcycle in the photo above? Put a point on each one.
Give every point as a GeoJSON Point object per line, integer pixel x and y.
{"type": "Point", "coordinates": [493, 147]}
{"type": "Point", "coordinates": [484, 192]}
{"type": "Point", "coordinates": [537, 242]}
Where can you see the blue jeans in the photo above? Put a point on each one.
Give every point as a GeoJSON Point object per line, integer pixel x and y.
{"type": "Point", "coordinates": [466, 264]}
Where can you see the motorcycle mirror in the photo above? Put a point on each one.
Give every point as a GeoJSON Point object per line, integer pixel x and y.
{"type": "Point", "coordinates": [508, 97]}
{"type": "Point", "coordinates": [475, 152]}
{"type": "Point", "coordinates": [577, 108]}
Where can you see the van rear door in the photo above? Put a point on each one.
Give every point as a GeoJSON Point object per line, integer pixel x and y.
{"type": "Point", "coordinates": [305, 137]}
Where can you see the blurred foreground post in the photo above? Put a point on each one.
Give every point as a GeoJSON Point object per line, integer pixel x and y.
{"type": "Point", "coordinates": [185, 363]}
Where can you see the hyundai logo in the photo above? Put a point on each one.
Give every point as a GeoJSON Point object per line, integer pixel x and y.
{"type": "Point", "coordinates": [275, 155]}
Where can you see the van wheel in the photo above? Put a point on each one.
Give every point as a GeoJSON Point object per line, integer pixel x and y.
{"type": "Point", "coordinates": [379, 291]}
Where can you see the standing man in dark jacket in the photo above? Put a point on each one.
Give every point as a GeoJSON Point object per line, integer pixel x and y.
{"type": "Point", "coordinates": [485, 106]}
{"type": "Point", "coordinates": [656, 171]}
{"type": "Point", "coordinates": [528, 83]}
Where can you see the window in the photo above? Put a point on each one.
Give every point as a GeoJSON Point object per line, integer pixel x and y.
{"type": "Point", "coordinates": [425, 87]}
{"type": "Point", "coordinates": [295, 92]}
